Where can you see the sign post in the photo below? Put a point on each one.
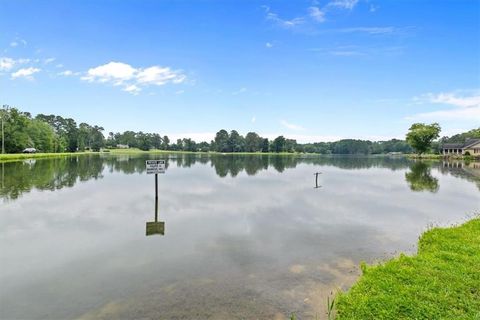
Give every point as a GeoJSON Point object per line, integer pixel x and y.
{"type": "Point", "coordinates": [155, 167]}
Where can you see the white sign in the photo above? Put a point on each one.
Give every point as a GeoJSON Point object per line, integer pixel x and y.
{"type": "Point", "coordinates": [155, 166]}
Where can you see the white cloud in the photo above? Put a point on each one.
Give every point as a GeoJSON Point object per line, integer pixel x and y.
{"type": "Point", "coordinates": [65, 73]}
{"type": "Point", "coordinates": [111, 72]}
{"type": "Point", "coordinates": [49, 60]}
{"type": "Point", "coordinates": [179, 91]}
{"type": "Point", "coordinates": [68, 73]}
{"type": "Point", "coordinates": [353, 50]}
{"type": "Point", "coordinates": [346, 53]}
{"type": "Point", "coordinates": [132, 79]}
{"type": "Point", "coordinates": [17, 41]}
{"type": "Point", "coordinates": [454, 99]}
{"type": "Point", "coordinates": [239, 91]}
{"type": "Point", "coordinates": [316, 14]}
{"type": "Point", "coordinates": [291, 126]}
{"type": "Point", "coordinates": [269, 45]}
{"type": "Point", "coordinates": [369, 30]}
{"type": "Point", "coordinates": [254, 119]}
{"type": "Point", "coordinates": [464, 106]}
{"type": "Point", "coordinates": [159, 76]}
{"type": "Point", "coordinates": [282, 22]}
{"type": "Point", "coordinates": [133, 89]}
{"type": "Point", "coordinates": [467, 114]}
{"type": "Point", "coordinates": [26, 73]}
{"type": "Point", "coordinates": [6, 63]}
{"type": "Point", "coordinates": [343, 4]}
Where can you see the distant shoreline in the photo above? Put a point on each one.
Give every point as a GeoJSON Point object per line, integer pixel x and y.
{"type": "Point", "coordinates": [24, 156]}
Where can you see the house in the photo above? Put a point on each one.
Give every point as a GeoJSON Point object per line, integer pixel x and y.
{"type": "Point", "coordinates": [472, 146]}
{"type": "Point", "coordinates": [122, 146]}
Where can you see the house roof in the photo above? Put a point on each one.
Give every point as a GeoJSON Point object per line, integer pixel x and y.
{"type": "Point", "coordinates": [452, 146]}
{"type": "Point", "coordinates": [471, 142]}
{"type": "Point", "coordinates": [468, 143]}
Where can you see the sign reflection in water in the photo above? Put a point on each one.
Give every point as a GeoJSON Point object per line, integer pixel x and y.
{"type": "Point", "coordinates": [156, 227]}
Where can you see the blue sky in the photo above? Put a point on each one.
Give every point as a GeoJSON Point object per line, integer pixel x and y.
{"type": "Point", "coordinates": [310, 70]}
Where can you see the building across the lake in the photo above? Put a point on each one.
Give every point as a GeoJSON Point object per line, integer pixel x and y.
{"type": "Point", "coordinates": [472, 146]}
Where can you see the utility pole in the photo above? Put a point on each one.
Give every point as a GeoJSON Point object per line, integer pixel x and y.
{"type": "Point", "coordinates": [3, 136]}
{"type": "Point", "coordinates": [4, 110]}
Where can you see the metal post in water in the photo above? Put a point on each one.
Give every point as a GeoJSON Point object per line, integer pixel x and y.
{"type": "Point", "coordinates": [316, 179]}
{"type": "Point", "coordinates": [156, 197]}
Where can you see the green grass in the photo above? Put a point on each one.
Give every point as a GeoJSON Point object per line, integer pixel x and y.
{"type": "Point", "coordinates": [22, 156]}
{"type": "Point", "coordinates": [441, 282]}
{"type": "Point", "coordinates": [439, 156]}
{"type": "Point", "coordinates": [155, 151]}
{"type": "Point", "coordinates": [132, 151]}
{"type": "Point", "coordinates": [425, 156]}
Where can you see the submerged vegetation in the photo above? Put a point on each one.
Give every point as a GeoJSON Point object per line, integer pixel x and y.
{"type": "Point", "coordinates": [441, 282]}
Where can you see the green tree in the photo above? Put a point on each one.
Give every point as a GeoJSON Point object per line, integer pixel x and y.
{"type": "Point", "coordinates": [290, 145]}
{"type": "Point", "coordinates": [156, 141]}
{"type": "Point", "coordinates": [165, 142]}
{"type": "Point", "coordinates": [189, 145]}
{"type": "Point", "coordinates": [236, 143]}
{"type": "Point", "coordinates": [203, 146]}
{"type": "Point", "coordinates": [265, 145]}
{"type": "Point", "coordinates": [143, 141]}
{"type": "Point", "coordinates": [420, 136]}
{"type": "Point", "coordinates": [16, 136]}
{"type": "Point", "coordinates": [41, 136]}
{"type": "Point", "coordinates": [253, 142]}
{"type": "Point", "coordinates": [96, 137]}
{"type": "Point", "coordinates": [221, 141]}
{"type": "Point", "coordinates": [278, 145]}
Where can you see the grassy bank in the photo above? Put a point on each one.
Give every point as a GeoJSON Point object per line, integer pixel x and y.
{"type": "Point", "coordinates": [132, 151]}
{"type": "Point", "coordinates": [23, 156]}
{"type": "Point", "coordinates": [138, 151]}
{"type": "Point", "coordinates": [441, 282]}
{"type": "Point", "coordinates": [431, 156]}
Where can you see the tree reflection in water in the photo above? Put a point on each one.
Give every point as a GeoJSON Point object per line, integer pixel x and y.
{"type": "Point", "coordinates": [420, 178]}
{"type": "Point", "coordinates": [51, 174]}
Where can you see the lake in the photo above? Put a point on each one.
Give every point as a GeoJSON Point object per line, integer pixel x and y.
{"type": "Point", "coordinates": [245, 237]}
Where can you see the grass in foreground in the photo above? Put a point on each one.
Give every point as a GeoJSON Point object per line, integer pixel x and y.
{"type": "Point", "coordinates": [441, 282]}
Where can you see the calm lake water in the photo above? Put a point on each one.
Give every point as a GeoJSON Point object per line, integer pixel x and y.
{"type": "Point", "coordinates": [245, 237]}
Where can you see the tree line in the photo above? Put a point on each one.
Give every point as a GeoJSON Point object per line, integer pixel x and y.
{"type": "Point", "coordinates": [53, 133]}
{"type": "Point", "coordinates": [233, 141]}
{"type": "Point", "coordinates": [47, 133]}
